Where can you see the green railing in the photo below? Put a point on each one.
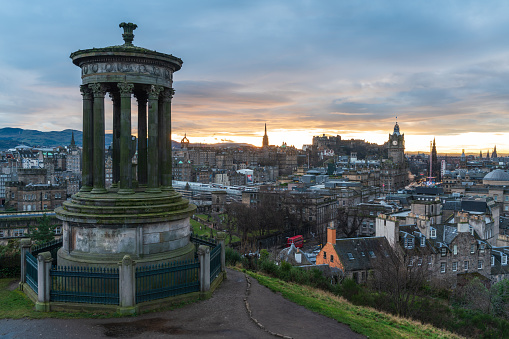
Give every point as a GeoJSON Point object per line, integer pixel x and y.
{"type": "Point", "coordinates": [203, 241]}
{"type": "Point", "coordinates": [84, 285]}
{"type": "Point", "coordinates": [167, 280]}
{"type": "Point", "coordinates": [31, 272]}
{"type": "Point", "coordinates": [215, 262]}
{"type": "Point", "coordinates": [52, 247]}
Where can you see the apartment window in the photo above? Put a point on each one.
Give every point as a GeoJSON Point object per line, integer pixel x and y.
{"type": "Point", "coordinates": [479, 265]}
{"type": "Point", "coordinates": [455, 266]}
{"type": "Point", "coordinates": [411, 262]}
{"type": "Point", "coordinates": [324, 255]}
{"type": "Point", "coordinates": [471, 229]}
{"type": "Point", "coordinates": [433, 233]}
{"type": "Point", "coordinates": [472, 248]}
{"type": "Point", "coordinates": [504, 259]}
{"type": "Point", "coordinates": [58, 230]}
{"type": "Point", "coordinates": [423, 241]}
{"type": "Point", "coordinates": [409, 242]}
{"type": "Point", "coordinates": [419, 262]}
{"type": "Point", "coordinates": [481, 248]}
{"type": "Point", "coordinates": [331, 258]}
{"type": "Point", "coordinates": [442, 267]}
{"type": "Point", "coordinates": [45, 196]}
{"type": "Point", "coordinates": [1, 233]}
{"type": "Point", "coordinates": [430, 260]}
{"type": "Point", "coordinates": [18, 232]}
{"type": "Point", "coordinates": [455, 249]}
{"type": "Point", "coordinates": [443, 251]}
{"type": "Point", "coordinates": [465, 265]}
{"type": "Point", "coordinates": [492, 260]}
{"type": "Point", "coordinates": [13, 195]}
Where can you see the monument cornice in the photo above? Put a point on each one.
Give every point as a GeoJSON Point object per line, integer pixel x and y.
{"type": "Point", "coordinates": [126, 54]}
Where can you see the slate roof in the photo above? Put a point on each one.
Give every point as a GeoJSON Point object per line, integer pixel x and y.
{"type": "Point", "coordinates": [361, 253]}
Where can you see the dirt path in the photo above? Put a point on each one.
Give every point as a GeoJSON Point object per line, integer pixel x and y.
{"type": "Point", "coordinates": [222, 316]}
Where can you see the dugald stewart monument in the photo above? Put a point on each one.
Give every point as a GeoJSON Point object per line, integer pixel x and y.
{"type": "Point", "coordinates": [140, 215]}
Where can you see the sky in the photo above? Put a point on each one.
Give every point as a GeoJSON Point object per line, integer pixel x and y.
{"type": "Point", "coordinates": [302, 67]}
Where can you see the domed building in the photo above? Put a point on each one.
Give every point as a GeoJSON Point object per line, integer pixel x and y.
{"type": "Point", "coordinates": [497, 177]}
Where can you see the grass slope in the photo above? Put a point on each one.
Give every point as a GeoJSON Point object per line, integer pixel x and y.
{"type": "Point", "coordinates": [363, 320]}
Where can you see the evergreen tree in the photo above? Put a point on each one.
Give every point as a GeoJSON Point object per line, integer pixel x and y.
{"type": "Point", "coordinates": [44, 232]}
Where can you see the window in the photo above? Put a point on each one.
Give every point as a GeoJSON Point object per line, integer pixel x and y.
{"type": "Point", "coordinates": [481, 247]}
{"type": "Point", "coordinates": [13, 195]}
{"type": "Point", "coordinates": [504, 259]}
{"type": "Point", "coordinates": [506, 198]}
{"type": "Point", "coordinates": [492, 260]}
{"type": "Point", "coordinates": [362, 253]}
{"type": "Point", "coordinates": [331, 258]}
{"type": "Point", "coordinates": [455, 249]}
{"type": "Point", "coordinates": [324, 255]}
{"type": "Point", "coordinates": [471, 229]}
{"type": "Point", "coordinates": [443, 251]}
{"type": "Point", "coordinates": [419, 262]}
{"type": "Point", "coordinates": [372, 254]}
{"type": "Point", "coordinates": [18, 232]}
{"type": "Point", "coordinates": [1, 233]}
{"type": "Point", "coordinates": [455, 266]}
{"type": "Point", "coordinates": [465, 265]}
{"type": "Point", "coordinates": [350, 256]}
{"type": "Point", "coordinates": [409, 242]}
{"type": "Point", "coordinates": [411, 262]}
{"type": "Point", "coordinates": [433, 233]}
{"type": "Point", "coordinates": [442, 267]}
{"type": "Point", "coordinates": [58, 230]}
{"type": "Point", "coordinates": [430, 260]}
{"type": "Point", "coordinates": [423, 241]}
{"type": "Point", "coordinates": [479, 265]}
{"type": "Point", "coordinates": [472, 248]}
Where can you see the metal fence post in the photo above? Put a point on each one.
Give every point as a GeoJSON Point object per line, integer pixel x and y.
{"type": "Point", "coordinates": [204, 256]}
{"type": "Point", "coordinates": [44, 261]}
{"type": "Point", "coordinates": [25, 245]}
{"type": "Point", "coordinates": [127, 286]}
{"type": "Point", "coordinates": [221, 236]}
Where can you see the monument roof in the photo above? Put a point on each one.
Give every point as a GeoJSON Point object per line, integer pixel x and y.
{"type": "Point", "coordinates": [125, 51]}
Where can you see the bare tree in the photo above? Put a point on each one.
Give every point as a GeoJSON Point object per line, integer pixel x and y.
{"type": "Point", "coordinates": [400, 280]}
{"type": "Point", "coordinates": [349, 221]}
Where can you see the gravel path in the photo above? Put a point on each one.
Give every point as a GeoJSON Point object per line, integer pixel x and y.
{"type": "Point", "coordinates": [239, 308]}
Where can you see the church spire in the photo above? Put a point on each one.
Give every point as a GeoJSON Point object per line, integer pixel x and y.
{"type": "Point", "coordinates": [73, 143]}
{"type": "Point", "coordinates": [265, 142]}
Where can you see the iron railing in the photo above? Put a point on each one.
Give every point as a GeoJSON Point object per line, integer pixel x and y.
{"type": "Point", "coordinates": [84, 285]}
{"type": "Point", "coordinates": [167, 280]}
{"type": "Point", "coordinates": [52, 247]}
{"type": "Point", "coordinates": [31, 272]}
{"type": "Point", "coordinates": [215, 262]}
{"type": "Point", "coordinates": [203, 240]}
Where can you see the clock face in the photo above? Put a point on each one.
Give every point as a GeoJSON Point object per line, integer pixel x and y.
{"type": "Point", "coordinates": [395, 142]}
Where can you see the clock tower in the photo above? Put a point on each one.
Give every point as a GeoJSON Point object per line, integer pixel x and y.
{"type": "Point", "coordinates": [396, 146]}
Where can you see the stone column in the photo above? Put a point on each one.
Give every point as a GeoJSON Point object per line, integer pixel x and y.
{"type": "Point", "coordinates": [115, 163]}
{"type": "Point", "coordinates": [43, 281]}
{"type": "Point", "coordinates": [88, 141]}
{"type": "Point", "coordinates": [127, 285]}
{"type": "Point", "coordinates": [166, 140]}
{"type": "Point", "coordinates": [125, 185]}
{"type": "Point", "coordinates": [142, 138]}
{"type": "Point", "coordinates": [25, 245]}
{"type": "Point", "coordinates": [153, 151]}
{"type": "Point", "coordinates": [99, 173]}
{"type": "Point", "coordinates": [204, 257]}
{"type": "Point", "coordinates": [221, 236]}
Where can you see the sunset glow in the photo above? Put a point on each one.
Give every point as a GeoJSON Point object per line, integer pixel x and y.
{"type": "Point", "coordinates": [347, 68]}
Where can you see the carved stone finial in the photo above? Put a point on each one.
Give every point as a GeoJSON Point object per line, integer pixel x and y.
{"type": "Point", "coordinates": [128, 35]}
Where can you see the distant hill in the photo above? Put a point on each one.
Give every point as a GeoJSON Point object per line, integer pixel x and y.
{"type": "Point", "coordinates": [11, 137]}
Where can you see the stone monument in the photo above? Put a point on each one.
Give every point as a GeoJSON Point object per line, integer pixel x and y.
{"type": "Point", "coordinates": [140, 215]}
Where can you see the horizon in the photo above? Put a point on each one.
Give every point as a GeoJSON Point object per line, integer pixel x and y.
{"type": "Point", "coordinates": [351, 69]}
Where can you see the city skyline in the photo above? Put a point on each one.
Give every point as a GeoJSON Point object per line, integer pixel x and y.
{"type": "Point", "coordinates": [338, 68]}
